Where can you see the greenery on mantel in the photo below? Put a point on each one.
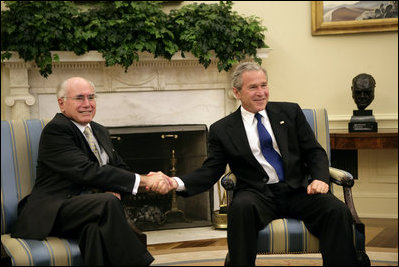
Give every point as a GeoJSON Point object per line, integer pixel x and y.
{"type": "Point", "coordinates": [120, 30]}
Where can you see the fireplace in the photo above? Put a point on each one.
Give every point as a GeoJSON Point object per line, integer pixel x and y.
{"type": "Point", "coordinates": [175, 150]}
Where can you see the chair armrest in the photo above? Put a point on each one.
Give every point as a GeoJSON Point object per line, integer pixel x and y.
{"type": "Point", "coordinates": [229, 181]}
{"type": "Point", "coordinates": [337, 176]}
{"type": "Point", "coordinates": [345, 179]}
{"type": "Point", "coordinates": [341, 177]}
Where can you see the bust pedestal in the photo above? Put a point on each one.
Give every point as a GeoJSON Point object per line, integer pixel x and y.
{"type": "Point", "coordinates": [363, 121]}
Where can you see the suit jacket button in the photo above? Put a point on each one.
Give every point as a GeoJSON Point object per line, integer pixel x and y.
{"type": "Point", "coordinates": [264, 180]}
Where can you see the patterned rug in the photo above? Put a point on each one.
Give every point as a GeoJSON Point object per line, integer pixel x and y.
{"type": "Point", "coordinates": [216, 258]}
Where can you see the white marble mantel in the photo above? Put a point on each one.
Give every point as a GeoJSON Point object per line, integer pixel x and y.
{"type": "Point", "coordinates": [152, 91]}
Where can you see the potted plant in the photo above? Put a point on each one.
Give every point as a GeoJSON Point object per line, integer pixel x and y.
{"type": "Point", "coordinates": [208, 30]}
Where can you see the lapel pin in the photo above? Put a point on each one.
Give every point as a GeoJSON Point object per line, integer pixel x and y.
{"type": "Point", "coordinates": [281, 122]}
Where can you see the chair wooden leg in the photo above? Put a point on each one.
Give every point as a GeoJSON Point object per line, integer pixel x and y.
{"type": "Point", "coordinates": [5, 259]}
{"type": "Point", "coordinates": [362, 258]}
{"type": "Point", "coordinates": [227, 261]}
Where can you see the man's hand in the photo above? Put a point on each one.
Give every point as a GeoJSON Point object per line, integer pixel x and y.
{"type": "Point", "coordinates": [115, 194]}
{"type": "Point", "coordinates": [172, 183]}
{"type": "Point", "coordinates": [317, 187]}
{"type": "Point", "coordinates": [156, 181]}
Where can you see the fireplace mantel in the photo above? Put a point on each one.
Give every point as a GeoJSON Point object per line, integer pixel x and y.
{"type": "Point", "coordinates": [152, 91]}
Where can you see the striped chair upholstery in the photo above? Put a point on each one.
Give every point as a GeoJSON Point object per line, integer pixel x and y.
{"type": "Point", "coordinates": [19, 149]}
{"type": "Point", "coordinates": [318, 120]}
{"type": "Point", "coordinates": [283, 236]}
{"type": "Point", "coordinates": [291, 235]}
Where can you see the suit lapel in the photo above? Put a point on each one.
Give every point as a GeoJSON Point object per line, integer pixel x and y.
{"type": "Point", "coordinates": [84, 145]}
{"type": "Point", "coordinates": [236, 131]}
{"type": "Point", "coordinates": [279, 126]}
{"type": "Point", "coordinates": [102, 140]}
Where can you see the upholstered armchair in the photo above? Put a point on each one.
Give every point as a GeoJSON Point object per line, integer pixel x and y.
{"type": "Point", "coordinates": [287, 235]}
{"type": "Point", "coordinates": [19, 149]}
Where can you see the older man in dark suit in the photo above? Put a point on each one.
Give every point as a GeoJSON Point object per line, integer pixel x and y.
{"type": "Point", "coordinates": [271, 148]}
{"type": "Point", "coordinates": [80, 179]}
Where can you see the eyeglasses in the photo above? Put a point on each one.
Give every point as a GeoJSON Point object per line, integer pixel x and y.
{"type": "Point", "coordinates": [81, 98]}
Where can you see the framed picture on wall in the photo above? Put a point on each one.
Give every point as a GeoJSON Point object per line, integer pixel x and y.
{"type": "Point", "coordinates": [341, 17]}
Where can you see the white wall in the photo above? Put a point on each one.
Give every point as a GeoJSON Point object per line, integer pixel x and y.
{"type": "Point", "coordinates": [317, 71]}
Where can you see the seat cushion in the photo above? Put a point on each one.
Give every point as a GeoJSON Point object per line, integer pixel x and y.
{"type": "Point", "coordinates": [287, 236]}
{"type": "Point", "coordinates": [52, 251]}
{"type": "Point", "coordinates": [291, 236]}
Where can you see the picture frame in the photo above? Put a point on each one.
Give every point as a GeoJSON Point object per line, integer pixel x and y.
{"type": "Point", "coordinates": [321, 27]}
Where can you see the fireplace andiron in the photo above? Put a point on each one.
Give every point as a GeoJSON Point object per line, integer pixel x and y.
{"type": "Point", "coordinates": [174, 214]}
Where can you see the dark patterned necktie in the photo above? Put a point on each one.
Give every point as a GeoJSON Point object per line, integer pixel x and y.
{"type": "Point", "coordinates": [266, 146]}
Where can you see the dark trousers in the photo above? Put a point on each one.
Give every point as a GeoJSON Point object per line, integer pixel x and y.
{"type": "Point", "coordinates": [105, 238]}
{"type": "Point", "coordinates": [324, 215]}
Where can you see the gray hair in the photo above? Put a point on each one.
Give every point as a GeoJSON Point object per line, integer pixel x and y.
{"type": "Point", "coordinates": [62, 89]}
{"type": "Point", "coordinates": [240, 69]}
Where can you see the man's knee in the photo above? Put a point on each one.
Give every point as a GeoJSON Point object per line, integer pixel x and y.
{"type": "Point", "coordinates": [105, 203]}
{"type": "Point", "coordinates": [338, 209]}
{"type": "Point", "coordinates": [243, 205]}
{"type": "Point", "coordinates": [111, 201]}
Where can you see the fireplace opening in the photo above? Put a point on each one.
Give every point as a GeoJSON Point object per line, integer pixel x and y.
{"type": "Point", "coordinates": [175, 150]}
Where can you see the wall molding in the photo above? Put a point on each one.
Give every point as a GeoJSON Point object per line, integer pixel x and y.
{"type": "Point", "coordinates": [24, 84]}
{"type": "Point", "coordinates": [366, 195]}
{"type": "Point", "coordinates": [361, 199]}
{"type": "Point", "coordinates": [378, 215]}
{"type": "Point", "coordinates": [385, 121]}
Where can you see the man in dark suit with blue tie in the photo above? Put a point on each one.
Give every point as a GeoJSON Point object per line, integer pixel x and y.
{"type": "Point", "coordinates": [271, 148]}
{"type": "Point", "coordinates": [79, 182]}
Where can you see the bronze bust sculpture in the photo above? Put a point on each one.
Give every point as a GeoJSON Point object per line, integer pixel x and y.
{"type": "Point", "coordinates": [363, 94]}
{"type": "Point", "coordinates": [363, 90]}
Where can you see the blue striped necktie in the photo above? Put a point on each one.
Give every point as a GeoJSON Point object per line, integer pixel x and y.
{"type": "Point", "coordinates": [266, 146]}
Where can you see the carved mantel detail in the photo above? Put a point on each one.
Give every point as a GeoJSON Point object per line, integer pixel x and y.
{"type": "Point", "coordinates": [169, 87]}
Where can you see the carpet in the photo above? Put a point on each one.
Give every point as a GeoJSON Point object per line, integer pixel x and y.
{"type": "Point", "coordinates": [216, 258]}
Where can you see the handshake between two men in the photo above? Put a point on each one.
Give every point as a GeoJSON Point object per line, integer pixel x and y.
{"type": "Point", "coordinates": [158, 182]}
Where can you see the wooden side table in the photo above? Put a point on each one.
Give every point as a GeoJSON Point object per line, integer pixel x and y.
{"type": "Point", "coordinates": [345, 146]}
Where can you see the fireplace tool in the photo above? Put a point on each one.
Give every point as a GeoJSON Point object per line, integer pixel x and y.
{"type": "Point", "coordinates": [220, 216]}
{"type": "Point", "coordinates": [174, 214]}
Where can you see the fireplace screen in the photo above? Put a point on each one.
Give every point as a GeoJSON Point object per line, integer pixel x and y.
{"type": "Point", "coordinates": [175, 150]}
